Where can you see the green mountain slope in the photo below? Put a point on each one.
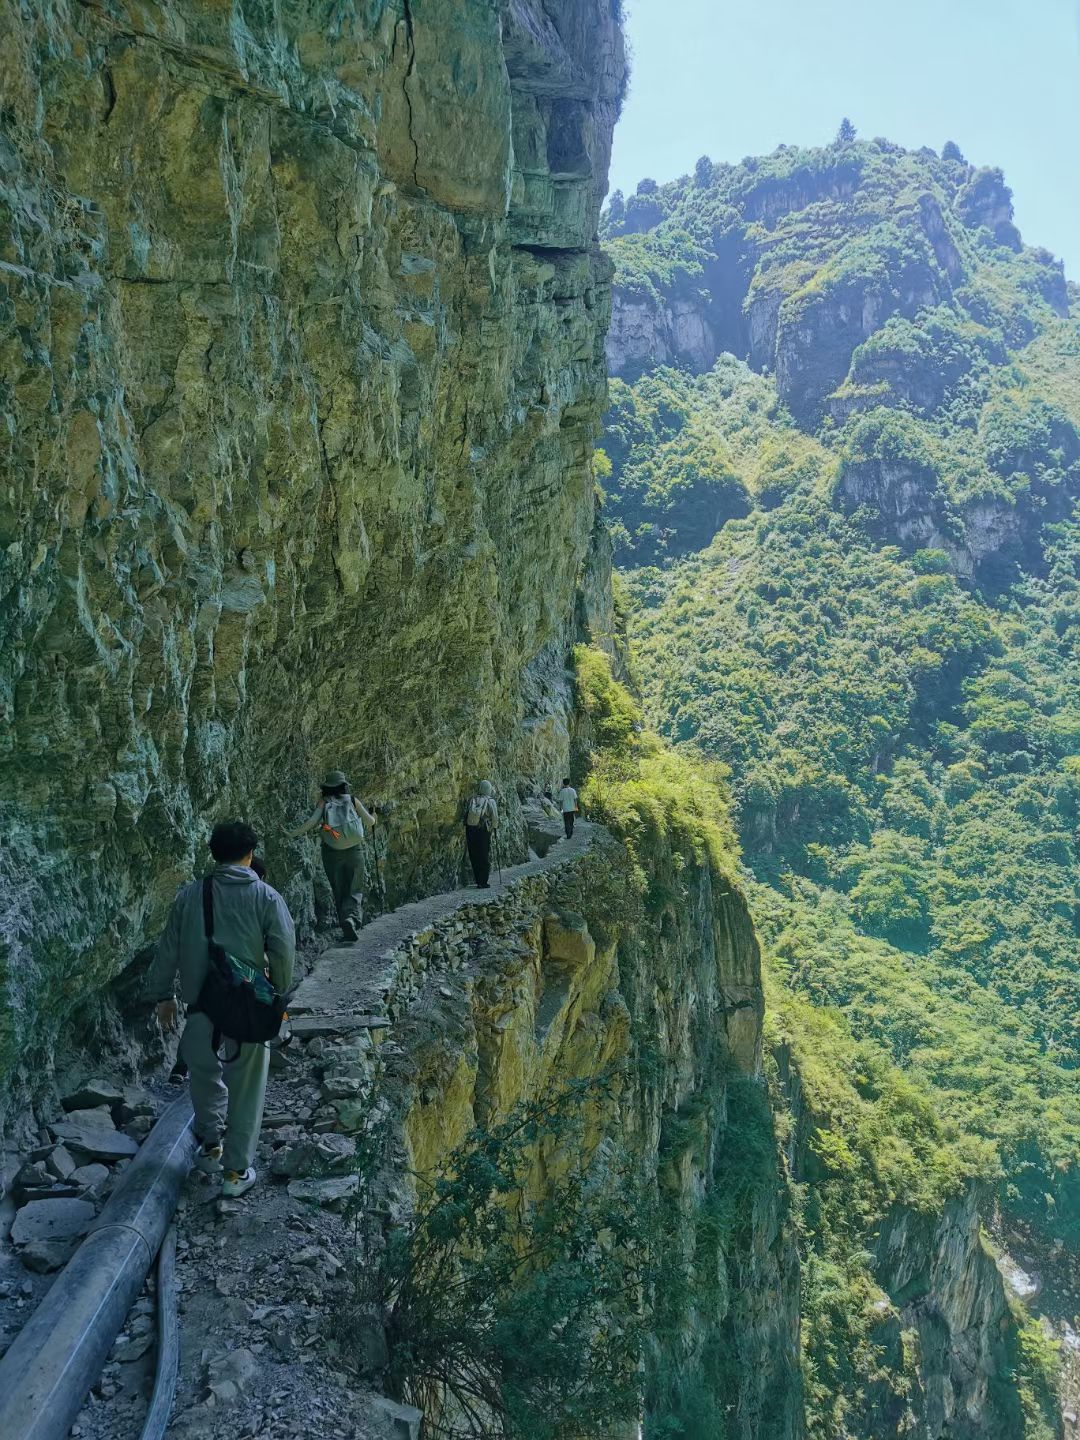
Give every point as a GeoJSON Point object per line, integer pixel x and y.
{"type": "Point", "coordinates": [852, 551]}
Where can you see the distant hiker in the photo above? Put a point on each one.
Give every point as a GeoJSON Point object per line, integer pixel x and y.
{"type": "Point", "coordinates": [341, 819]}
{"type": "Point", "coordinates": [251, 924]}
{"type": "Point", "coordinates": [481, 821]}
{"type": "Point", "coordinates": [568, 804]}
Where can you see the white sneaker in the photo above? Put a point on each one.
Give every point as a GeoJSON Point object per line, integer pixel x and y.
{"type": "Point", "coordinates": [236, 1184]}
{"type": "Point", "coordinates": [208, 1159]}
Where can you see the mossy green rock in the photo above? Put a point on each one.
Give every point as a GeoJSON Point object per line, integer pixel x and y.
{"type": "Point", "coordinates": [302, 326]}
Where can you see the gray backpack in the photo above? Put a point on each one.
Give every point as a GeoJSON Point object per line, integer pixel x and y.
{"type": "Point", "coordinates": [478, 814]}
{"type": "Point", "coordinates": [342, 827]}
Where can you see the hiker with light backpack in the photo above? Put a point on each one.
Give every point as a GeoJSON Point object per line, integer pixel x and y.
{"type": "Point", "coordinates": [231, 939]}
{"type": "Point", "coordinates": [342, 820]}
{"type": "Point", "coordinates": [481, 823]}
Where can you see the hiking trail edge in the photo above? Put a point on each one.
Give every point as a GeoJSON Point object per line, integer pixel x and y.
{"type": "Point", "coordinates": [354, 979]}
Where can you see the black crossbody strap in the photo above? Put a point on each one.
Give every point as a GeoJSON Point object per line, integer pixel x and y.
{"type": "Point", "coordinates": [208, 930]}
{"type": "Point", "coordinates": [208, 906]}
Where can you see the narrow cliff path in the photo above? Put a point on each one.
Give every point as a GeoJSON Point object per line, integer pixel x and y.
{"type": "Point", "coordinates": [351, 980]}
{"type": "Point", "coordinates": [258, 1278]}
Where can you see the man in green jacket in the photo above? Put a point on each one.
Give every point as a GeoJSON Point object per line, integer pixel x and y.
{"type": "Point", "coordinates": [251, 922]}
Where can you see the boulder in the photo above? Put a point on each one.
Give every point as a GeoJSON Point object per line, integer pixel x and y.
{"type": "Point", "coordinates": [51, 1220]}
{"type": "Point", "coordinates": [352, 1115]}
{"type": "Point", "coordinates": [45, 1256]}
{"type": "Point", "coordinates": [92, 1093]}
{"type": "Point", "coordinates": [331, 1194]}
{"type": "Point", "coordinates": [34, 1175]}
{"type": "Point", "coordinates": [393, 1421]}
{"type": "Point", "coordinates": [308, 1027]}
{"type": "Point", "coordinates": [137, 1103]}
{"type": "Point", "coordinates": [60, 1164]}
{"type": "Point", "coordinates": [89, 1177]}
{"type": "Point", "coordinates": [232, 1374]}
{"type": "Point", "coordinates": [94, 1141]}
{"type": "Point", "coordinates": [317, 1257]}
{"type": "Point", "coordinates": [133, 1347]}
{"type": "Point", "coordinates": [99, 1116]}
{"type": "Point", "coordinates": [567, 940]}
{"type": "Point", "coordinates": [312, 1157]}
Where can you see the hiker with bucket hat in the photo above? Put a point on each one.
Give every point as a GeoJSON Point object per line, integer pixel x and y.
{"type": "Point", "coordinates": [341, 819]}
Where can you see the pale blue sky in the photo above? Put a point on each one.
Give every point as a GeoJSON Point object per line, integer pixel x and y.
{"type": "Point", "coordinates": [1000, 77]}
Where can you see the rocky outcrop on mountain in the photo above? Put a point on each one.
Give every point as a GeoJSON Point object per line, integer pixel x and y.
{"type": "Point", "coordinates": [646, 332]}
{"type": "Point", "coordinates": [808, 339]}
{"type": "Point", "coordinates": [902, 497]}
{"type": "Point", "coordinates": [806, 330]}
{"type": "Point", "coordinates": [940, 1322]}
{"type": "Point", "coordinates": [946, 1290]}
{"type": "Point", "coordinates": [987, 201]}
{"type": "Point", "coordinates": [908, 507]}
{"type": "Point", "coordinates": [1032, 465]}
{"type": "Point", "coordinates": [303, 332]}
{"type": "Point", "coordinates": [818, 250]}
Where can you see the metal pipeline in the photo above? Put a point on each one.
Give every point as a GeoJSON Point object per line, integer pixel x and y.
{"type": "Point", "coordinates": [47, 1373]}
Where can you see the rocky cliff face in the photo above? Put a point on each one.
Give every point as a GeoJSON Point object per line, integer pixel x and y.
{"type": "Point", "coordinates": [302, 329]}
{"type": "Point", "coordinates": [648, 331]}
{"type": "Point", "coordinates": [948, 1296]}
{"type": "Point", "coordinates": [940, 1340]}
{"type": "Point", "coordinates": [571, 978]}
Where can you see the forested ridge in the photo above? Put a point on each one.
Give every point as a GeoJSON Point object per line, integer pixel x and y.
{"type": "Point", "coordinates": [844, 506]}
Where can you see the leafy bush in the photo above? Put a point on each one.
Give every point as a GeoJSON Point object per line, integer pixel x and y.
{"type": "Point", "coordinates": [649, 794]}
{"type": "Point", "coordinates": [689, 455]}
{"type": "Point", "coordinates": [507, 1314]}
{"type": "Point", "coordinates": [648, 264]}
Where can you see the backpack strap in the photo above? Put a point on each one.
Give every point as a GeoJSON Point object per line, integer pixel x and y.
{"type": "Point", "coordinates": [208, 930]}
{"type": "Point", "coordinates": [208, 906]}
{"type": "Point", "coordinates": [325, 826]}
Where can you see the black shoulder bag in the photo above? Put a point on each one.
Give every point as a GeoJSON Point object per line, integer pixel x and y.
{"type": "Point", "coordinates": [238, 1000]}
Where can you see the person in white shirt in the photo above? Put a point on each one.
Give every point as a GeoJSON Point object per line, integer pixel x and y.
{"type": "Point", "coordinates": [568, 804]}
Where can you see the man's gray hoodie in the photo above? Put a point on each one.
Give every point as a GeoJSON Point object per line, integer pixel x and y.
{"type": "Point", "coordinates": [250, 918]}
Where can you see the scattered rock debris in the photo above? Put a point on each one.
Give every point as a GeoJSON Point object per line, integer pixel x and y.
{"type": "Point", "coordinates": [258, 1277]}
